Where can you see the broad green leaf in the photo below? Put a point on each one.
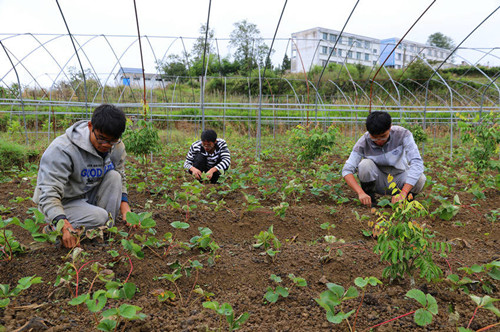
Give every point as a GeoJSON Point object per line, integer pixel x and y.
{"type": "Point", "coordinates": [423, 317]}
{"type": "Point", "coordinates": [79, 299]}
{"type": "Point", "coordinates": [179, 225]}
{"type": "Point", "coordinates": [417, 295]}
{"type": "Point", "coordinates": [107, 325]}
{"type": "Point", "coordinates": [432, 304]}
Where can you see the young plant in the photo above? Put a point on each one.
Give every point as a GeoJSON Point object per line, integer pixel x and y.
{"type": "Point", "coordinates": [114, 316]}
{"type": "Point", "coordinates": [333, 298]}
{"type": "Point", "coordinates": [491, 269]}
{"type": "Point", "coordinates": [204, 242]}
{"type": "Point", "coordinates": [447, 210]}
{"type": "Point", "coordinates": [6, 294]}
{"type": "Point", "coordinates": [423, 316]}
{"type": "Point", "coordinates": [272, 294]}
{"type": "Point", "coordinates": [226, 310]}
{"type": "Point", "coordinates": [269, 242]}
{"type": "Point", "coordinates": [280, 210]}
{"type": "Point", "coordinates": [363, 283]}
{"type": "Point", "coordinates": [406, 244]}
{"type": "Point", "coordinates": [312, 142]}
{"type": "Point", "coordinates": [9, 246]}
{"type": "Point", "coordinates": [487, 303]}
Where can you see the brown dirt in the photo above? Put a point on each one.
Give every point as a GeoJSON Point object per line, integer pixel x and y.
{"type": "Point", "coordinates": [241, 275]}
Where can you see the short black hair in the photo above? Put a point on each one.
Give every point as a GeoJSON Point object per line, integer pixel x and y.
{"type": "Point", "coordinates": [109, 120]}
{"type": "Point", "coordinates": [378, 122]}
{"type": "Point", "coordinates": [209, 135]}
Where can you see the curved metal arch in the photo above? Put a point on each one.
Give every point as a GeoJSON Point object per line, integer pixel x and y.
{"type": "Point", "coordinates": [157, 71]}
{"type": "Point", "coordinates": [408, 90]}
{"type": "Point", "coordinates": [381, 86]}
{"type": "Point", "coordinates": [22, 65]}
{"type": "Point", "coordinates": [32, 51]}
{"type": "Point", "coordinates": [118, 63]}
{"type": "Point", "coordinates": [482, 99]}
{"type": "Point", "coordinates": [477, 62]}
{"type": "Point", "coordinates": [470, 87]}
{"type": "Point", "coordinates": [424, 88]}
{"type": "Point", "coordinates": [478, 69]}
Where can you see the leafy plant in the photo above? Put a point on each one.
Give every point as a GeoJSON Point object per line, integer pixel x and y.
{"type": "Point", "coordinates": [491, 269]}
{"type": "Point", "coordinates": [226, 310]}
{"type": "Point", "coordinates": [423, 316]}
{"type": "Point", "coordinates": [272, 294]}
{"type": "Point", "coordinates": [447, 210]}
{"type": "Point", "coordinates": [268, 241]}
{"type": "Point", "coordinates": [406, 244]}
{"type": "Point", "coordinates": [333, 297]}
{"type": "Point", "coordinates": [312, 142]}
{"type": "Point", "coordinates": [6, 294]}
{"type": "Point", "coordinates": [484, 134]}
{"type": "Point", "coordinates": [485, 302]}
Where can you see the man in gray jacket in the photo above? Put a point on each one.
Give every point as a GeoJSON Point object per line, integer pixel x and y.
{"type": "Point", "coordinates": [384, 150]}
{"type": "Point", "coordinates": [81, 176]}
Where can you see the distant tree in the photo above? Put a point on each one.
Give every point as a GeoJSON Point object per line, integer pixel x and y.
{"type": "Point", "coordinates": [199, 45]}
{"type": "Point", "coordinates": [286, 64]}
{"type": "Point", "coordinates": [419, 71]}
{"type": "Point", "coordinates": [439, 40]}
{"type": "Point", "coordinates": [173, 67]}
{"type": "Point", "coordinates": [250, 48]}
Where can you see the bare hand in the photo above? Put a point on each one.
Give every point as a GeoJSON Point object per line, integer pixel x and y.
{"type": "Point", "coordinates": [399, 197]}
{"type": "Point", "coordinates": [196, 172]}
{"type": "Point", "coordinates": [365, 199]}
{"type": "Point", "coordinates": [68, 239]}
{"type": "Point", "coordinates": [124, 209]}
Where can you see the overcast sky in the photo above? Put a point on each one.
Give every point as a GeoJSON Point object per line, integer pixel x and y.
{"type": "Point", "coordinates": [372, 18]}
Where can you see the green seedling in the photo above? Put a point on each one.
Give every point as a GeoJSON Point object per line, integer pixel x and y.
{"type": "Point", "coordinates": [272, 294]}
{"type": "Point", "coordinates": [226, 310]}
{"type": "Point", "coordinates": [280, 210]}
{"type": "Point", "coordinates": [114, 316]}
{"type": "Point", "coordinates": [363, 284]}
{"type": "Point", "coordinates": [487, 303]}
{"type": "Point", "coordinates": [423, 316]}
{"type": "Point", "coordinates": [447, 210]}
{"type": "Point", "coordinates": [491, 269]}
{"type": "Point", "coordinates": [333, 298]}
{"type": "Point", "coordinates": [6, 294]}
{"type": "Point", "coordinates": [268, 241]}
{"type": "Point", "coordinates": [9, 246]}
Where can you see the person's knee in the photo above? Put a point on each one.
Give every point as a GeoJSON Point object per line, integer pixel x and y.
{"type": "Point", "coordinates": [365, 170]}
{"type": "Point", "coordinates": [419, 185]}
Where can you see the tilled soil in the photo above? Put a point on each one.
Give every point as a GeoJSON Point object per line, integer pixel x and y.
{"type": "Point", "coordinates": [241, 274]}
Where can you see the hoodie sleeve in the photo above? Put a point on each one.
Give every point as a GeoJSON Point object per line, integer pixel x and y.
{"type": "Point", "coordinates": [56, 167]}
{"type": "Point", "coordinates": [119, 160]}
{"type": "Point", "coordinates": [414, 159]}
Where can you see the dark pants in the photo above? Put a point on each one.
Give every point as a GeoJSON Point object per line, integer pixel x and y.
{"type": "Point", "coordinates": [200, 162]}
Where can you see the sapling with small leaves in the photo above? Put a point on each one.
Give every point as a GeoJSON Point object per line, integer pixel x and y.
{"type": "Point", "coordinates": [332, 300]}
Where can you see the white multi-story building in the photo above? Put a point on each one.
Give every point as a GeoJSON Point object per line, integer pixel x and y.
{"type": "Point", "coordinates": [314, 47]}
{"type": "Point", "coordinates": [133, 77]}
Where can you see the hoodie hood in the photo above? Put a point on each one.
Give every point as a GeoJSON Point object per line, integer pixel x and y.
{"type": "Point", "coordinates": [79, 134]}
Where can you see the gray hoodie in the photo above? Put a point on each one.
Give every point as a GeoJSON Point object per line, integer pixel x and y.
{"type": "Point", "coordinates": [71, 167]}
{"type": "Point", "coordinates": [400, 152]}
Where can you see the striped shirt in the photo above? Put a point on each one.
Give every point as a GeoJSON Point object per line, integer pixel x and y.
{"type": "Point", "coordinates": [220, 158]}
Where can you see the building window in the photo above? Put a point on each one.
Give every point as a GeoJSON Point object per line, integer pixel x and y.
{"type": "Point", "coordinates": [324, 49]}
{"type": "Point", "coordinates": [398, 56]}
{"type": "Point", "coordinates": [341, 39]}
{"type": "Point", "coordinates": [412, 48]}
{"type": "Point", "coordinates": [435, 53]}
{"type": "Point", "coordinates": [367, 57]}
{"type": "Point", "coordinates": [325, 36]}
{"type": "Point", "coordinates": [358, 55]}
{"type": "Point", "coordinates": [351, 40]}
{"type": "Point", "coordinates": [367, 44]}
{"type": "Point", "coordinates": [429, 52]}
{"type": "Point", "coordinates": [332, 51]}
{"type": "Point", "coordinates": [340, 52]}
{"type": "Point", "coordinates": [349, 54]}
{"type": "Point", "coordinates": [374, 51]}
{"type": "Point", "coordinates": [323, 62]}
{"type": "Point", "coordinates": [333, 38]}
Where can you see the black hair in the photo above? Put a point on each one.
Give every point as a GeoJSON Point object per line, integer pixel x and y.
{"type": "Point", "coordinates": [378, 122]}
{"type": "Point", "coordinates": [109, 120]}
{"type": "Point", "coordinates": [209, 135]}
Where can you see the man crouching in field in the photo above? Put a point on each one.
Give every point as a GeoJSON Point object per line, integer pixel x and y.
{"type": "Point", "coordinates": [384, 150]}
{"type": "Point", "coordinates": [209, 155]}
{"type": "Point", "coordinates": [82, 176]}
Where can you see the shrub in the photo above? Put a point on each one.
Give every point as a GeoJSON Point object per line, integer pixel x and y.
{"type": "Point", "coordinates": [14, 154]}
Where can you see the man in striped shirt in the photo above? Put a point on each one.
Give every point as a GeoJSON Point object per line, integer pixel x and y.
{"type": "Point", "coordinates": [209, 155]}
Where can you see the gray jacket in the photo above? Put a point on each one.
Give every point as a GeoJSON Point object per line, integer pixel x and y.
{"type": "Point", "coordinates": [400, 152]}
{"type": "Point", "coordinates": [71, 167]}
